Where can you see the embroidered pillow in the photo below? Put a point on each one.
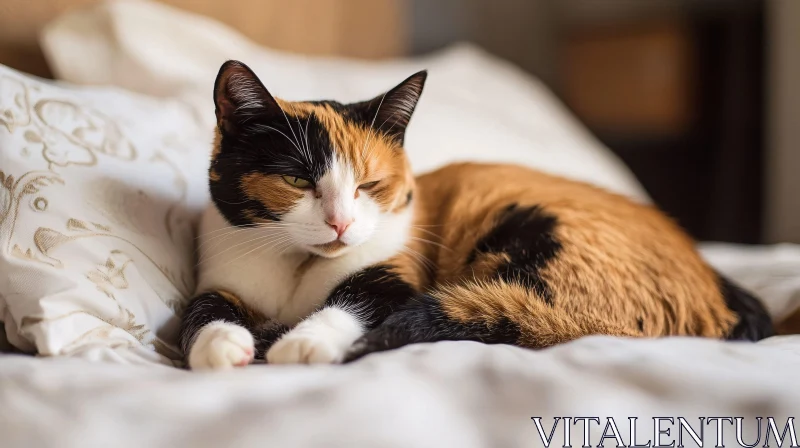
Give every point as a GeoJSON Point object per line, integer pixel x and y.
{"type": "Point", "coordinates": [98, 192]}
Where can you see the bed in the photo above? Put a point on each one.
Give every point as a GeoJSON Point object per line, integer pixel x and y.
{"type": "Point", "coordinates": [459, 394]}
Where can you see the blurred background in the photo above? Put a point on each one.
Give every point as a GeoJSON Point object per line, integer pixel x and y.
{"type": "Point", "coordinates": [699, 97]}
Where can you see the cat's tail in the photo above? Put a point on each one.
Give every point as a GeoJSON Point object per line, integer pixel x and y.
{"type": "Point", "coordinates": [493, 312]}
{"type": "Point", "coordinates": [754, 321]}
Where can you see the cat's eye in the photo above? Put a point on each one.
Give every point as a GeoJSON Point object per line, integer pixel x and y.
{"type": "Point", "coordinates": [368, 185]}
{"type": "Point", "coordinates": [297, 182]}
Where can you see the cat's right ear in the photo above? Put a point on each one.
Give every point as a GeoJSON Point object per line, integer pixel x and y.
{"type": "Point", "coordinates": [239, 97]}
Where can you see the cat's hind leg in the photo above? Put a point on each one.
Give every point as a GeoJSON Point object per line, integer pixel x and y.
{"type": "Point", "coordinates": [494, 312]}
{"type": "Point", "coordinates": [219, 332]}
{"type": "Point", "coordinates": [755, 322]}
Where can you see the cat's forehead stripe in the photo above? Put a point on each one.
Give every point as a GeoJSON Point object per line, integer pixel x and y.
{"type": "Point", "coordinates": [364, 149]}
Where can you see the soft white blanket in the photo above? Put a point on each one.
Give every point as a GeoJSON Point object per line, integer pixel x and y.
{"type": "Point", "coordinates": [450, 394]}
{"type": "Point", "coordinates": [458, 394]}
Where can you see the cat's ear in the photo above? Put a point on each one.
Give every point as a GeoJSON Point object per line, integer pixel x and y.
{"type": "Point", "coordinates": [392, 111]}
{"type": "Point", "coordinates": [239, 96]}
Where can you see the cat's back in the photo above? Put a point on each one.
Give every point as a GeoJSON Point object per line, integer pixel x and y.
{"type": "Point", "coordinates": [475, 191]}
{"type": "Point", "coordinates": [490, 183]}
{"type": "Point", "coordinates": [588, 248]}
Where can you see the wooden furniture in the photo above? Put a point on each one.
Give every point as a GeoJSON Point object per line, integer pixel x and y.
{"type": "Point", "coordinates": [680, 98]}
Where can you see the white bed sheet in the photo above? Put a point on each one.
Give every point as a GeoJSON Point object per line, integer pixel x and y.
{"type": "Point", "coordinates": [450, 394]}
{"type": "Point", "coordinates": [459, 394]}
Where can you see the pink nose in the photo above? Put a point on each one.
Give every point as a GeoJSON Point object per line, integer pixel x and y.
{"type": "Point", "coordinates": [340, 226]}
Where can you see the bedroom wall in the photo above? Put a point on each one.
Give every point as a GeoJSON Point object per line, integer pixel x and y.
{"type": "Point", "coordinates": [358, 28]}
{"type": "Point", "coordinates": [783, 161]}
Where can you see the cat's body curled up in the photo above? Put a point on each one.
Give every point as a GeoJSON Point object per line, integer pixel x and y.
{"type": "Point", "coordinates": [321, 246]}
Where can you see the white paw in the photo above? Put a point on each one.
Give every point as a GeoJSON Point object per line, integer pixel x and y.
{"type": "Point", "coordinates": [221, 346]}
{"type": "Point", "coordinates": [323, 338]}
{"type": "Point", "coordinates": [305, 349]}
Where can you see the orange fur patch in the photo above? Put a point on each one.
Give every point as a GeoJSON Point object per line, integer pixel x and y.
{"type": "Point", "coordinates": [271, 190]}
{"type": "Point", "coordinates": [373, 156]}
{"type": "Point", "coordinates": [617, 259]}
{"type": "Point", "coordinates": [540, 325]}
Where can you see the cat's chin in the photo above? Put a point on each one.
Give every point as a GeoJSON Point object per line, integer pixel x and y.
{"type": "Point", "coordinates": [332, 249]}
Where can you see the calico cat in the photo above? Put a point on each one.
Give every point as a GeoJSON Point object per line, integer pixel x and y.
{"type": "Point", "coordinates": [321, 246]}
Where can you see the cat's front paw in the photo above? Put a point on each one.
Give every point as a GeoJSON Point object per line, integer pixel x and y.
{"type": "Point", "coordinates": [305, 349]}
{"type": "Point", "coordinates": [221, 346]}
{"type": "Point", "coordinates": [323, 338]}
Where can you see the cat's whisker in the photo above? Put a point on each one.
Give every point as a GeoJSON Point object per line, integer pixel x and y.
{"type": "Point", "coordinates": [429, 265]}
{"type": "Point", "coordinates": [218, 236]}
{"type": "Point", "coordinates": [302, 136]}
{"type": "Point", "coordinates": [295, 226]}
{"type": "Point", "coordinates": [232, 203]}
{"type": "Point", "coordinates": [384, 122]}
{"type": "Point", "coordinates": [428, 232]}
{"type": "Point", "coordinates": [224, 237]}
{"type": "Point", "coordinates": [203, 259]}
{"type": "Point", "coordinates": [224, 229]}
{"type": "Point", "coordinates": [302, 154]}
{"type": "Point", "coordinates": [262, 237]}
{"type": "Point", "coordinates": [303, 228]}
{"type": "Point", "coordinates": [287, 246]}
{"type": "Point", "coordinates": [291, 129]}
{"type": "Point", "coordinates": [267, 246]}
{"type": "Point", "coordinates": [261, 246]}
{"type": "Point", "coordinates": [430, 242]}
{"type": "Point", "coordinates": [372, 128]}
{"type": "Point", "coordinates": [424, 264]}
{"type": "Point", "coordinates": [308, 147]}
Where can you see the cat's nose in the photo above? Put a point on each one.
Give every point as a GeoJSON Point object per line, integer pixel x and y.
{"type": "Point", "coordinates": [339, 225]}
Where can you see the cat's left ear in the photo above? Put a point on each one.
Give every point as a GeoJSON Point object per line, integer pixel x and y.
{"type": "Point", "coordinates": [392, 111]}
{"type": "Point", "coordinates": [241, 98]}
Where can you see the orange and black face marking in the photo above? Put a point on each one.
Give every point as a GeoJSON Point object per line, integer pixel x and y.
{"type": "Point", "coordinates": [260, 139]}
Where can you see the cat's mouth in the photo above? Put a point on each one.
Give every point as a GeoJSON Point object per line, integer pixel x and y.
{"type": "Point", "coordinates": [332, 246]}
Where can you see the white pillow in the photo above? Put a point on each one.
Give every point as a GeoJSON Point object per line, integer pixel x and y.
{"type": "Point", "coordinates": [475, 107]}
{"type": "Point", "coordinates": [771, 272]}
{"type": "Point", "coordinates": [98, 192]}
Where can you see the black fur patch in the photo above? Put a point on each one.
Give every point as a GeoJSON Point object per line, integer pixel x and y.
{"type": "Point", "coordinates": [203, 310]}
{"type": "Point", "coordinates": [284, 145]}
{"type": "Point", "coordinates": [754, 321]}
{"type": "Point", "coordinates": [390, 113]}
{"type": "Point", "coordinates": [375, 291]}
{"type": "Point", "coordinates": [211, 307]}
{"type": "Point", "coordinates": [526, 235]}
{"type": "Point", "coordinates": [423, 320]}
{"type": "Point", "coordinates": [267, 334]}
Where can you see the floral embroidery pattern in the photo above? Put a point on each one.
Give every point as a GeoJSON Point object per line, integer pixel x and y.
{"type": "Point", "coordinates": [60, 140]}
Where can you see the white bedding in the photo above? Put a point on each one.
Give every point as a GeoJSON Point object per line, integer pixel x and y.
{"type": "Point", "coordinates": [459, 394]}
{"type": "Point", "coordinates": [450, 394]}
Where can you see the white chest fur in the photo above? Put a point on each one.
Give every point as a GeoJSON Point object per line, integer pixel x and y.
{"type": "Point", "coordinates": [267, 273]}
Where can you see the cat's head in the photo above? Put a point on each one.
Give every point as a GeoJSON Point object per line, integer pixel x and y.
{"type": "Point", "coordinates": [329, 176]}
